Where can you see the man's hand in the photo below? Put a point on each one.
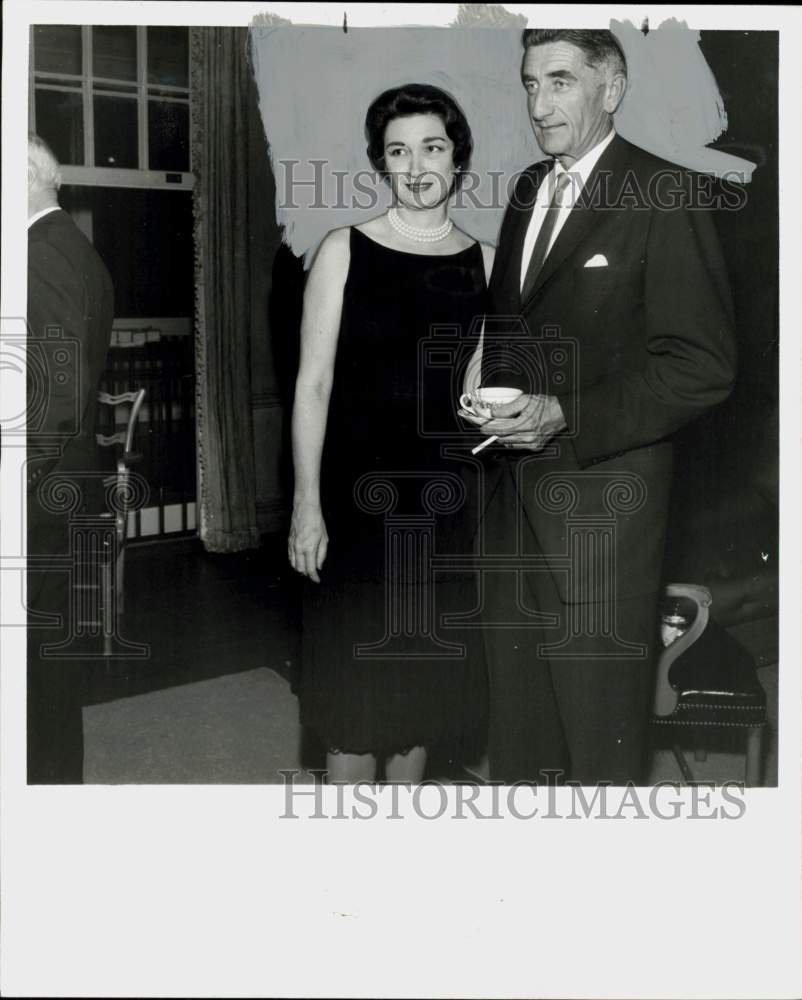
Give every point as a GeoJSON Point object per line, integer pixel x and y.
{"type": "Point", "coordinates": [529, 422]}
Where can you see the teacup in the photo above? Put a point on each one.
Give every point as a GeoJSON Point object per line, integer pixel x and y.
{"type": "Point", "coordinates": [482, 400]}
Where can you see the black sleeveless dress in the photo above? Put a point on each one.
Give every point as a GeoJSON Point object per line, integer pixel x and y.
{"type": "Point", "coordinates": [383, 669]}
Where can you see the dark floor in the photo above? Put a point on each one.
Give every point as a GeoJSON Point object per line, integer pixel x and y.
{"type": "Point", "coordinates": [204, 616]}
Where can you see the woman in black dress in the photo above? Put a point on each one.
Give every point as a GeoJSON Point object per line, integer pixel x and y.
{"type": "Point", "coordinates": [370, 425]}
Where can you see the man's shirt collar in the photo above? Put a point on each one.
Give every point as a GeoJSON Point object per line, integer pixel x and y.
{"type": "Point", "coordinates": [583, 167]}
{"type": "Point", "coordinates": [42, 213]}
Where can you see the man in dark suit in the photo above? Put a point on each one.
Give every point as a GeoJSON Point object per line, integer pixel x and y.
{"type": "Point", "coordinates": [70, 314]}
{"type": "Point", "coordinates": [618, 277]}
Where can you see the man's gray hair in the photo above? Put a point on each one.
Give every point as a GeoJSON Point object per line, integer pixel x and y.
{"type": "Point", "coordinates": [43, 158]}
{"type": "Point", "coordinates": [599, 46]}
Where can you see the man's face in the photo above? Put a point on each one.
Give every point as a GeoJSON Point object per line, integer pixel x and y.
{"type": "Point", "coordinates": [569, 102]}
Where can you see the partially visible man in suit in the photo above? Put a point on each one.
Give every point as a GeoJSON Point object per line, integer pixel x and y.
{"type": "Point", "coordinates": [605, 255]}
{"type": "Point", "coordinates": [70, 302]}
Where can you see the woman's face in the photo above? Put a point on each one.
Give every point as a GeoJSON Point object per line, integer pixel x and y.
{"type": "Point", "coordinates": [419, 159]}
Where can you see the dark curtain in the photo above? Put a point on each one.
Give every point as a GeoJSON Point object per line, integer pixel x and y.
{"type": "Point", "coordinates": [724, 527]}
{"type": "Point", "coordinates": [220, 76]}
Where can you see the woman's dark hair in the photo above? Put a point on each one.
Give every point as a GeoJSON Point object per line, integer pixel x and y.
{"type": "Point", "coordinates": [418, 99]}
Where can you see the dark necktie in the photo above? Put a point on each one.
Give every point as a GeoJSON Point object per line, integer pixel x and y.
{"type": "Point", "coordinates": [541, 246]}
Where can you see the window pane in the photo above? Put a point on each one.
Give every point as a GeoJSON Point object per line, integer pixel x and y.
{"type": "Point", "coordinates": [60, 122]}
{"type": "Point", "coordinates": [114, 52]}
{"type": "Point", "coordinates": [145, 240]}
{"type": "Point", "coordinates": [168, 135]}
{"type": "Point", "coordinates": [168, 56]}
{"type": "Point", "coordinates": [116, 137]}
{"type": "Point", "coordinates": [57, 49]}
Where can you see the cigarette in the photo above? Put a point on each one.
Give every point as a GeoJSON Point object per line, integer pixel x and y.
{"type": "Point", "coordinates": [484, 444]}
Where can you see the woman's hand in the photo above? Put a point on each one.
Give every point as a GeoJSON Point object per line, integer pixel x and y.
{"type": "Point", "coordinates": [309, 540]}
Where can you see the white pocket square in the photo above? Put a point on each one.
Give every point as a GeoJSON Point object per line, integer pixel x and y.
{"type": "Point", "coordinates": [599, 260]}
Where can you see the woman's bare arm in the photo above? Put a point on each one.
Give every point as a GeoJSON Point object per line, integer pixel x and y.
{"type": "Point", "coordinates": [320, 326]}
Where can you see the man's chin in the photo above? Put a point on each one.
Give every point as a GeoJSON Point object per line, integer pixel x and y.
{"type": "Point", "coordinates": [552, 148]}
{"type": "Point", "coordinates": [550, 143]}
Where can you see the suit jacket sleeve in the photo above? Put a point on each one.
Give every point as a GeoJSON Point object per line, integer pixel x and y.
{"type": "Point", "coordinates": [689, 340]}
{"type": "Point", "coordinates": [57, 301]}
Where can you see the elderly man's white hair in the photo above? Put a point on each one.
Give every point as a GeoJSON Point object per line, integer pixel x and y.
{"type": "Point", "coordinates": [46, 172]}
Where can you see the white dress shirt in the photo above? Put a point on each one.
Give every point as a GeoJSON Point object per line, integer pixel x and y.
{"type": "Point", "coordinates": [579, 173]}
{"type": "Point", "coordinates": [43, 212]}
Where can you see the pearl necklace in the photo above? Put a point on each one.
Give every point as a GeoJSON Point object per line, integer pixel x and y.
{"type": "Point", "coordinates": [419, 235]}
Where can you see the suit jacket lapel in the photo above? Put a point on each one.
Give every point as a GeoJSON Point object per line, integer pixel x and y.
{"type": "Point", "coordinates": [509, 268]}
{"type": "Point", "coordinates": [580, 220]}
